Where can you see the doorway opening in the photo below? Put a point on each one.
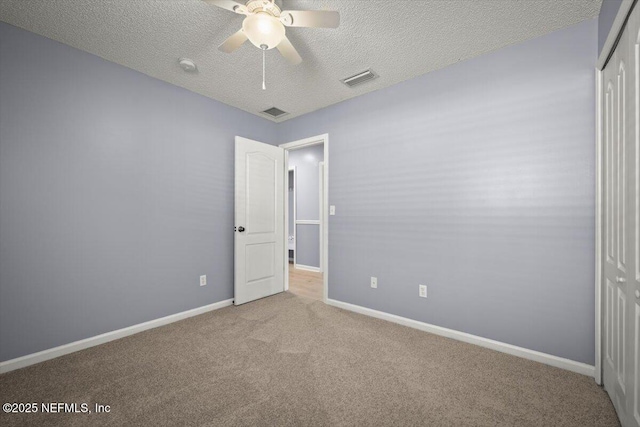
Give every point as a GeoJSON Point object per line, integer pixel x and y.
{"type": "Point", "coordinates": [306, 230]}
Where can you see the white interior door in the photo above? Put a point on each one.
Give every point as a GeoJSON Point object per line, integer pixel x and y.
{"type": "Point", "coordinates": [321, 213]}
{"type": "Point", "coordinates": [621, 240]}
{"type": "Point", "coordinates": [259, 220]}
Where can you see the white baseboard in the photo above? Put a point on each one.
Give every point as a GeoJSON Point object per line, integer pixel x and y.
{"type": "Point", "coordinates": [547, 359]}
{"type": "Point", "coordinates": [41, 356]}
{"type": "Point", "coordinates": [306, 267]}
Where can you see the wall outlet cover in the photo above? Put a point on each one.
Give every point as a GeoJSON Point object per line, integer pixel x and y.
{"type": "Point", "coordinates": [422, 291]}
{"type": "Point", "coordinates": [203, 280]}
{"type": "Point", "coordinates": [374, 282]}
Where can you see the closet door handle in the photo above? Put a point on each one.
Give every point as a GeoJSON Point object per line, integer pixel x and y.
{"type": "Point", "coordinates": [620, 279]}
{"type": "Point", "coordinates": [241, 229]}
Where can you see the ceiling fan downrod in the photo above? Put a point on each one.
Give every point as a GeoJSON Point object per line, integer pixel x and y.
{"type": "Point", "coordinates": [264, 68]}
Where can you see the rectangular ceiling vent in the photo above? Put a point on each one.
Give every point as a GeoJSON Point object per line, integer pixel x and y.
{"type": "Point", "coordinates": [274, 112]}
{"type": "Point", "coordinates": [360, 78]}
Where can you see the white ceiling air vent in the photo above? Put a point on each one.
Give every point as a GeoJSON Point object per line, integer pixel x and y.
{"type": "Point", "coordinates": [274, 112]}
{"type": "Point", "coordinates": [360, 78]}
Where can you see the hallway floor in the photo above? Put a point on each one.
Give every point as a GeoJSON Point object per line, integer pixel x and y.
{"type": "Point", "coordinates": [305, 283]}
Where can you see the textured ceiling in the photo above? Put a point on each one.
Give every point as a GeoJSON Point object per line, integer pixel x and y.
{"type": "Point", "coordinates": [398, 39]}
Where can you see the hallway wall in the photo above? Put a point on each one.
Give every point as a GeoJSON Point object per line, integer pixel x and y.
{"type": "Point", "coordinates": [306, 161]}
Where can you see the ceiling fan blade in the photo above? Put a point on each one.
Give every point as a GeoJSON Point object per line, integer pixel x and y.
{"type": "Point", "coordinates": [310, 18]}
{"type": "Point", "coordinates": [289, 52]}
{"type": "Point", "coordinates": [233, 42]}
{"type": "Point", "coordinates": [230, 5]}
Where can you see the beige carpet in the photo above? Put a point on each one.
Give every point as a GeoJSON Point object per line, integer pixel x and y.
{"type": "Point", "coordinates": [287, 360]}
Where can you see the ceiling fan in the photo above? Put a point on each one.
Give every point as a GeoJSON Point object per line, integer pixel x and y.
{"type": "Point", "coordinates": [265, 23]}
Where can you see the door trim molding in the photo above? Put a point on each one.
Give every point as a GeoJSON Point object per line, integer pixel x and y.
{"type": "Point", "coordinates": [614, 33]}
{"type": "Point", "coordinates": [295, 215]}
{"type": "Point", "coordinates": [525, 353]}
{"type": "Point", "coordinates": [598, 230]}
{"type": "Point", "coordinates": [52, 353]}
{"type": "Point", "coordinates": [324, 218]}
{"type": "Point", "coordinates": [321, 213]}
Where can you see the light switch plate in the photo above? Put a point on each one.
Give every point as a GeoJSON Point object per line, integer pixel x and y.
{"type": "Point", "coordinates": [374, 282]}
{"type": "Point", "coordinates": [332, 210]}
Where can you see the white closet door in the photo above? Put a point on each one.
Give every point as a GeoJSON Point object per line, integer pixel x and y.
{"type": "Point", "coordinates": [621, 290]}
{"type": "Point", "coordinates": [633, 216]}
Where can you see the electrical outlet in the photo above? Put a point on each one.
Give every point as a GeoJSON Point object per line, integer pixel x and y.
{"type": "Point", "coordinates": [203, 280]}
{"type": "Point", "coordinates": [422, 291]}
{"type": "Point", "coordinates": [374, 282]}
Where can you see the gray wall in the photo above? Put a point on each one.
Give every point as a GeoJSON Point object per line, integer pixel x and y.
{"type": "Point", "coordinates": [116, 193]}
{"type": "Point", "coordinates": [478, 181]}
{"type": "Point", "coordinates": [608, 12]}
{"type": "Point", "coordinates": [306, 161]}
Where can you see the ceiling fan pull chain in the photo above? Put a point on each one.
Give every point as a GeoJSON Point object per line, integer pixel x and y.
{"type": "Point", "coordinates": [264, 68]}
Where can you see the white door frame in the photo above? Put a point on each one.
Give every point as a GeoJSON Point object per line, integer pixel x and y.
{"type": "Point", "coordinates": [607, 50]}
{"type": "Point", "coordinates": [295, 215]}
{"type": "Point", "coordinates": [598, 231]}
{"type": "Point", "coordinates": [324, 222]}
{"type": "Point", "coordinates": [321, 171]}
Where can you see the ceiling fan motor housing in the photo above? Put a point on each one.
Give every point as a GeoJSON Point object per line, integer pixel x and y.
{"type": "Point", "coordinates": [254, 6]}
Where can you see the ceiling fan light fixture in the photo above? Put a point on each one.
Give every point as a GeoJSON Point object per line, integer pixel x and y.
{"type": "Point", "coordinates": [263, 29]}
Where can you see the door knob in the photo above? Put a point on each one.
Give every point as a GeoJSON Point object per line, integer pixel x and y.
{"type": "Point", "coordinates": [241, 229]}
{"type": "Point", "coordinates": [620, 279]}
